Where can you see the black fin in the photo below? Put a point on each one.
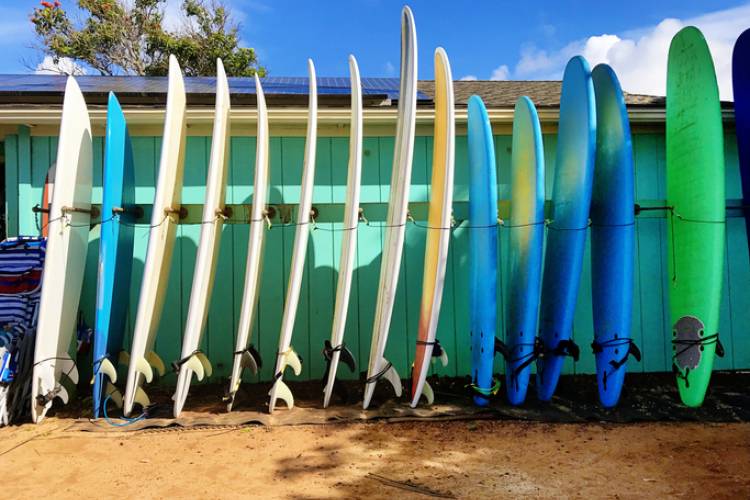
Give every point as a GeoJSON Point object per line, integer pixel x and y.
{"type": "Point", "coordinates": [634, 351]}
{"type": "Point", "coordinates": [501, 348]}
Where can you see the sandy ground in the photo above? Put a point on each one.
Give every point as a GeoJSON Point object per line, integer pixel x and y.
{"type": "Point", "coordinates": [459, 459]}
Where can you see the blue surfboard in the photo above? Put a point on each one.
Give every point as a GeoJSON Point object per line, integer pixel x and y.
{"type": "Point", "coordinates": [526, 242]}
{"type": "Point", "coordinates": [115, 253]}
{"type": "Point", "coordinates": [612, 237]}
{"type": "Point", "coordinates": [566, 236]}
{"type": "Point", "coordinates": [741, 86]}
{"type": "Point", "coordinates": [482, 249]}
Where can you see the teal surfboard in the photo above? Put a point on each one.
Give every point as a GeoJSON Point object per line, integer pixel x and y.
{"type": "Point", "coordinates": [115, 256]}
{"type": "Point", "coordinates": [482, 250]}
{"type": "Point", "coordinates": [526, 242]}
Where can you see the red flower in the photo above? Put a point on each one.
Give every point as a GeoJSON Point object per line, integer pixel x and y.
{"type": "Point", "coordinates": [47, 4]}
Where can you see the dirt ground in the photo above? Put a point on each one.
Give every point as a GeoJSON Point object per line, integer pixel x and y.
{"type": "Point", "coordinates": [456, 459]}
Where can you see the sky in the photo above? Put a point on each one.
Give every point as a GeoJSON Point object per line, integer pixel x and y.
{"type": "Point", "coordinates": [485, 39]}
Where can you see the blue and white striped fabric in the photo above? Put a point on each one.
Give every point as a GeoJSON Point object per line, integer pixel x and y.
{"type": "Point", "coordinates": [21, 265]}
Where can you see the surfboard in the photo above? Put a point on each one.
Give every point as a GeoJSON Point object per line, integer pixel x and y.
{"type": "Point", "coordinates": [525, 244]}
{"type": "Point", "coordinates": [482, 256]}
{"type": "Point", "coordinates": [67, 245]}
{"type": "Point", "coordinates": [336, 348]}
{"type": "Point", "coordinates": [378, 367]}
{"type": "Point", "coordinates": [192, 359]}
{"type": "Point", "coordinates": [285, 355]}
{"type": "Point", "coordinates": [741, 87]}
{"type": "Point", "coordinates": [115, 256]}
{"type": "Point", "coordinates": [612, 237]}
{"type": "Point", "coordinates": [566, 235]}
{"type": "Point", "coordinates": [695, 193]}
{"type": "Point", "coordinates": [164, 219]}
{"type": "Point", "coordinates": [438, 232]}
{"type": "Point", "coordinates": [245, 355]}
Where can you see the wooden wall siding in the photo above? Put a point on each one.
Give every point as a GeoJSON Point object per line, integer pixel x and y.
{"type": "Point", "coordinates": [27, 160]}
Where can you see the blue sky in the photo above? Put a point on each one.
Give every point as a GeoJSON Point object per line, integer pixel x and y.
{"type": "Point", "coordinates": [484, 39]}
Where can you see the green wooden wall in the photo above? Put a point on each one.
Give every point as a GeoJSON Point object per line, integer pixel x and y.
{"type": "Point", "coordinates": [27, 160]}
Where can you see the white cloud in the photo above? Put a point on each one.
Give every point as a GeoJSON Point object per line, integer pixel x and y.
{"type": "Point", "coordinates": [64, 66]}
{"type": "Point", "coordinates": [501, 73]}
{"type": "Point", "coordinates": [640, 56]}
{"type": "Point", "coordinates": [469, 78]}
{"type": "Point", "coordinates": [390, 69]}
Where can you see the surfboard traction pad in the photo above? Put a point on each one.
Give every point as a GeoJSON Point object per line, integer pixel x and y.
{"type": "Point", "coordinates": [646, 398]}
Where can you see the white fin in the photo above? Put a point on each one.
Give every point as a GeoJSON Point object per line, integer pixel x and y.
{"type": "Point", "coordinates": [290, 358]}
{"type": "Point", "coordinates": [205, 363]}
{"type": "Point", "coordinates": [142, 367]}
{"type": "Point", "coordinates": [123, 358]}
{"type": "Point", "coordinates": [106, 367]}
{"type": "Point", "coordinates": [391, 375]}
{"type": "Point", "coordinates": [428, 393]}
{"type": "Point", "coordinates": [443, 359]}
{"type": "Point", "coordinates": [282, 392]}
{"type": "Point", "coordinates": [141, 398]}
{"type": "Point", "coordinates": [62, 393]}
{"type": "Point", "coordinates": [248, 361]}
{"type": "Point", "coordinates": [195, 366]}
{"type": "Point", "coordinates": [155, 361]}
{"type": "Point", "coordinates": [68, 368]}
{"type": "Point", "coordinates": [114, 395]}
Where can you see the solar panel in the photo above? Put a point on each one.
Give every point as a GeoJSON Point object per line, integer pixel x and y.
{"type": "Point", "coordinates": [149, 85]}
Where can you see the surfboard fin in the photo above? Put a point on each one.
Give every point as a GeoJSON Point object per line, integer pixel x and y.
{"type": "Point", "coordinates": [114, 395]}
{"type": "Point", "coordinates": [438, 352]}
{"type": "Point", "coordinates": [68, 368]}
{"type": "Point", "coordinates": [123, 358]}
{"type": "Point", "coordinates": [567, 348]}
{"type": "Point", "coordinates": [282, 392]}
{"type": "Point", "coordinates": [428, 393]}
{"type": "Point", "coordinates": [155, 361]}
{"type": "Point", "coordinates": [250, 358]}
{"type": "Point", "coordinates": [391, 375]}
{"type": "Point", "coordinates": [291, 359]}
{"type": "Point", "coordinates": [199, 364]}
{"type": "Point", "coordinates": [502, 349]}
{"type": "Point", "coordinates": [107, 368]}
{"type": "Point", "coordinates": [62, 393]}
{"type": "Point", "coordinates": [143, 367]}
{"type": "Point", "coordinates": [141, 398]}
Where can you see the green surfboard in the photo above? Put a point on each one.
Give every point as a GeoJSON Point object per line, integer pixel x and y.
{"type": "Point", "coordinates": [696, 224]}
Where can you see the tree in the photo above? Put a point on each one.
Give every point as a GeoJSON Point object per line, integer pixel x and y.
{"type": "Point", "coordinates": [129, 37]}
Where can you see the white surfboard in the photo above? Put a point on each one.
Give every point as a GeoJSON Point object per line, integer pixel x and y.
{"type": "Point", "coordinates": [286, 357]}
{"type": "Point", "coordinates": [192, 360]}
{"type": "Point", "coordinates": [378, 366]}
{"type": "Point", "coordinates": [245, 356]}
{"type": "Point", "coordinates": [67, 244]}
{"type": "Point", "coordinates": [438, 234]}
{"type": "Point", "coordinates": [336, 347]}
{"type": "Point", "coordinates": [143, 360]}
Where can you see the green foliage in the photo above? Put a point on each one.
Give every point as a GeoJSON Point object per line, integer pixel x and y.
{"type": "Point", "coordinates": [119, 37]}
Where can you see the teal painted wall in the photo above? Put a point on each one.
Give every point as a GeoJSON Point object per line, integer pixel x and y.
{"type": "Point", "coordinates": [27, 160]}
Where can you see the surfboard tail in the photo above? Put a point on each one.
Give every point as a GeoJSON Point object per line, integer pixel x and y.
{"type": "Point", "coordinates": [388, 372]}
{"type": "Point", "coordinates": [332, 355]}
{"type": "Point", "coordinates": [249, 358]}
{"type": "Point", "coordinates": [433, 352]}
